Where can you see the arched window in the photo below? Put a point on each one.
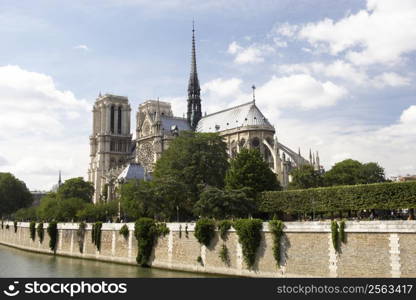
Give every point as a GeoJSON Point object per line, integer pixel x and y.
{"type": "Point", "coordinates": [119, 120]}
{"type": "Point", "coordinates": [112, 119]}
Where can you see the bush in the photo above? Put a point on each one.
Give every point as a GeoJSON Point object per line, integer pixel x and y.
{"type": "Point", "coordinates": [276, 228]}
{"type": "Point", "coordinates": [15, 226]}
{"type": "Point", "coordinates": [223, 227]}
{"type": "Point", "coordinates": [342, 236]}
{"type": "Point", "coordinates": [124, 231]}
{"type": "Point", "coordinates": [2, 224]}
{"type": "Point", "coordinates": [53, 235]}
{"type": "Point", "coordinates": [335, 235]}
{"type": "Point", "coordinates": [397, 195]}
{"type": "Point", "coordinates": [7, 226]}
{"type": "Point", "coordinates": [81, 236]}
{"type": "Point", "coordinates": [249, 236]}
{"type": "Point", "coordinates": [32, 230]}
{"type": "Point", "coordinates": [224, 256]}
{"type": "Point", "coordinates": [145, 231]}
{"type": "Point", "coordinates": [40, 232]}
{"type": "Point", "coordinates": [204, 231]}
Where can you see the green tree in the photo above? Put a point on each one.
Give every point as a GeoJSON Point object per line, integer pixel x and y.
{"type": "Point", "coordinates": [305, 177]}
{"type": "Point", "coordinates": [26, 214]}
{"type": "Point", "coordinates": [102, 212]}
{"type": "Point", "coordinates": [220, 204]}
{"type": "Point", "coordinates": [194, 160]}
{"type": "Point", "coordinates": [372, 173]}
{"type": "Point", "coordinates": [53, 208]}
{"type": "Point", "coordinates": [76, 188]}
{"type": "Point", "coordinates": [13, 194]}
{"type": "Point", "coordinates": [248, 169]}
{"type": "Point", "coordinates": [137, 199]}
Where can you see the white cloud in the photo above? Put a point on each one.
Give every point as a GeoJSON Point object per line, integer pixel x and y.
{"type": "Point", "coordinates": [390, 79]}
{"type": "Point", "coordinates": [381, 33]}
{"type": "Point", "coordinates": [82, 47]}
{"type": "Point", "coordinates": [39, 125]}
{"type": "Point", "coordinates": [254, 53]}
{"type": "Point", "coordinates": [285, 29]}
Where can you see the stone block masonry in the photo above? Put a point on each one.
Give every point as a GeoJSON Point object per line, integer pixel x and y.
{"type": "Point", "coordinates": [372, 249]}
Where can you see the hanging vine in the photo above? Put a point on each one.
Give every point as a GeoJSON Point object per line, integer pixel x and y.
{"type": "Point", "coordinates": [15, 226]}
{"type": "Point", "coordinates": [335, 235]}
{"type": "Point", "coordinates": [32, 230]}
{"type": "Point", "coordinates": [40, 232]}
{"type": "Point", "coordinates": [81, 236]}
{"type": "Point", "coordinates": [224, 255]}
{"type": "Point", "coordinates": [204, 231]}
{"type": "Point", "coordinates": [276, 228]}
{"type": "Point", "coordinates": [342, 236]}
{"type": "Point", "coordinates": [96, 234]}
{"type": "Point", "coordinates": [224, 226]}
{"type": "Point", "coordinates": [249, 236]}
{"type": "Point", "coordinates": [53, 235]}
{"type": "Point", "coordinates": [124, 231]}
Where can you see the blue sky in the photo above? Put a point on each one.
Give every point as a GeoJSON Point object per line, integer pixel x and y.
{"type": "Point", "coordinates": [334, 76]}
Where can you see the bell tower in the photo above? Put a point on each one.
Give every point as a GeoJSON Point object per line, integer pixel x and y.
{"type": "Point", "coordinates": [110, 141]}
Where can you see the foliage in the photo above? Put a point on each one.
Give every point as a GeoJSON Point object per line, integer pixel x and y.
{"type": "Point", "coordinates": [76, 188]}
{"type": "Point", "coordinates": [98, 212]}
{"type": "Point", "coordinates": [395, 195]}
{"type": "Point", "coordinates": [335, 235]}
{"type": "Point", "coordinates": [26, 214]}
{"type": "Point", "coordinates": [223, 227]}
{"type": "Point", "coordinates": [40, 232]}
{"type": "Point", "coordinates": [199, 260]}
{"type": "Point", "coordinates": [276, 228]}
{"type": "Point", "coordinates": [15, 226]}
{"type": "Point", "coordinates": [305, 177]}
{"type": "Point", "coordinates": [54, 208]}
{"type": "Point", "coordinates": [146, 231]}
{"type": "Point", "coordinates": [204, 231]}
{"type": "Point", "coordinates": [2, 224]}
{"type": "Point", "coordinates": [249, 236]}
{"type": "Point", "coordinates": [249, 169]}
{"type": "Point", "coordinates": [81, 235]}
{"type": "Point", "coordinates": [53, 234]}
{"type": "Point", "coordinates": [193, 160]}
{"type": "Point", "coordinates": [96, 234]}
{"type": "Point", "coordinates": [186, 231]}
{"type": "Point", "coordinates": [32, 230]}
{"type": "Point", "coordinates": [224, 255]}
{"type": "Point", "coordinates": [124, 231]}
{"type": "Point", "coordinates": [137, 199]}
{"type": "Point", "coordinates": [13, 194]}
{"type": "Point", "coordinates": [342, 236]}
{"type": "Point", "coordinates": [220, 204]}
{"type": "Point", "coordinates": [7, 226]}
{"type": "Point", "coordinates": [350, 172]}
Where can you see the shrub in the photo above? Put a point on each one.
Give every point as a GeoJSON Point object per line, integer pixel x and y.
{"type": "Point", "coordinates": [81, 236]}
{"type": "Point", "coordinates": [32, 230]}
{"type": "Point", "coordinates": [7, 226]}
{"type": "Point", "coordinates": [15, 226]}
{"type": "Point", "coordinates": [2, 224]}
{"type": "Point", "coordinates": [124, 231]}
{"type": "Point", "coordinates": [186, 231]}
{"type": "Point", "coordinates": [146, 231]}
{"type": "Point", "coordinates": [394, 195]}
{"type": "Point", "coordinates": [276, 228]}
{"type": "Point", "coordinates": [40, 231]}
{"type": "Point", "coordinates": [342, 236]}
{"type": "Point", "coordinates": [53, 235]}
{"type": "Point", "coordinates": [335, 235]}
{"type": "Point", "coordinates": [204, 231]}
{"type": "Point", "coordinates": [199, 260]}
{"type": "Point", "coordinates": [224, 256]}
{"type": "Point", "coordinates": [96, 234]}
{"type": "Point", "coordinates": [249, 236]}
{"type": "Point", "coordinates": [223, 227]}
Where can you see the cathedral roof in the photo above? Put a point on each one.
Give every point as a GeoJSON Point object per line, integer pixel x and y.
{"type": "Point", "coordinates": [133, 171]}
{"type": "Point", "coordinates": [247, 114]}
{"type": "Point", "coordinates": [168, 122]}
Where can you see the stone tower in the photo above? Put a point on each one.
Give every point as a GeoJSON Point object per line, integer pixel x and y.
{"type": "Point", "coordinates": [194, 112]}
{"type": "Point", "coordinates": [111, 140]}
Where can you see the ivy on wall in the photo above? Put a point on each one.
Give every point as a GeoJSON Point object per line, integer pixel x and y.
{"type": "Point", "coordinates": [32, 230]}
{"type": "Point", "coordinates": [342, 236]}
{"type": "Point", "coordinates": [81, 235]}
{"type": "Point", "coordinates": [40, 232]}
{"type": "Point", "coordinates": [146, 231]}
{"type": "Point", "coordinates": [124, 231]}
{"type": "Point", "coordinates": [96, 234]}
{"type": "Point", "coordinates": [394, 195]}
{"type": "Point", "coordinates": [276, 228]}
{"type": "Point", "coordinates": [224, 255]}
{"type": "Point", "coordinates": [53, 235]}
{"type": "Point", "coordinates": [224, 226]}
{"type": "Point", "coordinates": [15, 226]}
{"type": "Point", "coordinates": [335, 235]}
{"type": "Point", "coordinates": [204, 231]}
{"type": "Point", "coordinates": [2, 224]}
{"type": "Point", "coordinates": [249, 236]}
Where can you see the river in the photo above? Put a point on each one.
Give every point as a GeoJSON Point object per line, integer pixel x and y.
{"type": "Point", "coordinates": [20, 263]}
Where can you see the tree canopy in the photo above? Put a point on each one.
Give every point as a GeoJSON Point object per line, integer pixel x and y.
{"type": "Point", "coordinates": [305, 177]}
{"type": "Point", "coordinates": [13, 194]}
{"type": "Point", "coordinates": [350, 172]}
{"type": "Point", "coordinates": [248, 169]}
{"type": "Point", "coordinates": [76, 188]}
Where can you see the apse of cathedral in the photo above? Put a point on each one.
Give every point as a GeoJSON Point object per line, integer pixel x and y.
{"type": "Point", "coordinates": [116, 157]}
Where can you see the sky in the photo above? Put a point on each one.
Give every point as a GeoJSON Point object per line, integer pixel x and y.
{"type": "Point", "coordinates": [336, 77]}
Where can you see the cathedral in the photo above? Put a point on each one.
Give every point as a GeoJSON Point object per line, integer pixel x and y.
{"type": "Point", "coordinates": [117, 157]}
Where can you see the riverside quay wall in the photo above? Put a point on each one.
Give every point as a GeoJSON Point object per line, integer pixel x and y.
{"type": "Point", "coordinates": [372, 249]}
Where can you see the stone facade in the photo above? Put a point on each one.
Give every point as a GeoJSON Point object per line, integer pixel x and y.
{"type": "Point", "coordinates": [373, 249]}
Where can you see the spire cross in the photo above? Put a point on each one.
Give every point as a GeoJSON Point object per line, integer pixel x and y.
{"type": "Point", "coordinates": [254, 93]}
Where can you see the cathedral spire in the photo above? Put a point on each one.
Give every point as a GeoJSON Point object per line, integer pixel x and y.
{"type": "Point", "coordinates": [60, 179]}
{"type": "Point", "coordinates": [194, 113]}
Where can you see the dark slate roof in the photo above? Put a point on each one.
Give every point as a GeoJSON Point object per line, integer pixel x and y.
{"type": "Point", "coordinates": [168, 122]}
{"type": "Point", "coordinates": [247, 114]}
{"type": "Point", "coordinates": [133, 171]}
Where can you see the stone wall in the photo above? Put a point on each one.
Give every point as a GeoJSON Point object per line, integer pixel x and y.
{"type": "Point", "coordinates": [373, 249]}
